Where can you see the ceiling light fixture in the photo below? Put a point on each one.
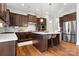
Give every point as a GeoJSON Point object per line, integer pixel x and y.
{"type": "Point", "coordinates": [37, 9]}
{"type": "Point", "coordinates": [50, 21]}
{"type": "Point", "coordinates": [22, 4]}
{"type": "Point", "coordinates": [50, 11]}
{"type": "Point", "coordinates": [41, 18]}
{"type": "Point", "coordinates": [65, 3]}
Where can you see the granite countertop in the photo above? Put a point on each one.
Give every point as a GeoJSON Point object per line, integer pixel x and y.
{"type": "Point", "coordinates": [8, 37]}
{"type": "Point", "coordinates": [44, 33]}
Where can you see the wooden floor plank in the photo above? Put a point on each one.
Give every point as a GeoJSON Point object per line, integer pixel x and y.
{"type": "Point", "coordinates": [63, 49]}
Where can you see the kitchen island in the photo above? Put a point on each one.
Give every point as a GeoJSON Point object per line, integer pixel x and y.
{"type": "Point", "coordinates": [8, 44]}
{"type": "Point", "coordinates": [41, 40]}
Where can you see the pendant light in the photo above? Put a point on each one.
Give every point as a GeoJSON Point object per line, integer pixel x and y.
{"type": "Point", "coordinates": [22, 4]}
{"type": "Point", "coordinates": [41, 20]}
{"type": "Point", "coordinates": [50, 12]}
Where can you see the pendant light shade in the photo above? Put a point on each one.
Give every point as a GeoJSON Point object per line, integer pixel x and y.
{"type": "Point", "coordinates": [50, 11]}
{"type": "Point", "coordinates": [41, 20]}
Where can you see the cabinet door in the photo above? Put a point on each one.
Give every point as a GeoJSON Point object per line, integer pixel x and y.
{"type": "Point", "coordinates": [7, 48]}
{"type": "Point", "coordinates": [40, 42]}
{"type": "Point", "coordinates": [12, 21]}
{"type": "Point", "coordinates": [22, 20]}
{"type": "Point", "coordinates": [25, 20]}
{"type": "Point", "coordinates": [44, 43]}
{"type": "Point", "coordinates": [7, 17]}
{"type": "Point", "coordinates": [31, 18]}
{"type": "Point", "coordinates": [3, 10]}
{"type": "Point", "coordinates": [17, 19]}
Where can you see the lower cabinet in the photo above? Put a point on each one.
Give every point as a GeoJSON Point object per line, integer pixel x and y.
{"type": "Point", "coordinates": [8, 48]}
{"type": "Point", "coordinates": [24, 36]}
{"type": "Point", "coordinates": [41, 42]}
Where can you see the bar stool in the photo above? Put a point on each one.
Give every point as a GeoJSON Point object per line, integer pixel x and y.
{"type": "Point", "coordinates": [52, 39]}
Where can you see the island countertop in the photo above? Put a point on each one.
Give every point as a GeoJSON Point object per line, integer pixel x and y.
{"type": "Point", "coordinates": [8, 37]}
{"type": "Point", "coordinates": [41, 40]}
{"type": "Point", "coordinates": [45, 33]}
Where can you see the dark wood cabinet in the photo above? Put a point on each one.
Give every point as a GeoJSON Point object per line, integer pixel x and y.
{"type": "Point", "coordinates": [41, 26]}
{"type": "Point", "coordinates": [61, 22]}
{"type": "Point", "coordinates": [39, 21]}
{"type": "Point", "coordinates": [21, 20]}
{"type": "Point", "coordinates": [8, 48]}
{"type": "Point", "coordinates": [7, 17]}
{"type": "Point", "coordinates": [31, 18]}
{"type": "Point", "coordinates": [3, 7]}
{"type": "Point", "coordinates": [24, 36]}
{"type": "Point", "coordinates": [68, 17]}
{"type": "Point", "coordinates": [40, 42]}
{"type": "Point", "coordinates": [12, 19]}
{"type": "Point", "coordinates": [17, 19]}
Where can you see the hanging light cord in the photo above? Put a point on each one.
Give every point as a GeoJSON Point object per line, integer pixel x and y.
{"type": "Point", "coordinates": [41, 10]}
{"type": "Point", "coordinates": [50, 10]}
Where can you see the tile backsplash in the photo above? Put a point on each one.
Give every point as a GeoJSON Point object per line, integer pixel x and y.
{"type": "Point", "coordinates": [30, 27]}
{"type": "Point", "coordinates": [18, 29]}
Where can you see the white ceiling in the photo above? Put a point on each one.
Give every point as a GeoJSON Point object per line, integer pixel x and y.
{"type": "Point", "coordinates": [44, 9]}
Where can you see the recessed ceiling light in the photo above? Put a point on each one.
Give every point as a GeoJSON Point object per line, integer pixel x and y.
{"type": "Point", "coordinates": [22, 4]}
{"type": "Point", "coordinates": [50, 21]}
{"type": "Point", "coordinates": [37, 9]}
{"type": "Point", "coordinates": [65, 3]}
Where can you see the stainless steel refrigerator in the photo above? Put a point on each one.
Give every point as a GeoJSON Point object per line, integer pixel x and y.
{"type": "Point", "coordinates": [69, 31]}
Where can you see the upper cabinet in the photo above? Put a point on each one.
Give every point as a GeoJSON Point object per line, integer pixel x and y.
{"type": "Point", "coordinates": [41, 24]}
{"type": "Point", "coordinates": [68, 17]}
{"type": "Point", "coordinates": [7, 19]}
{"type": "Point", "coordinates": [12, 19]}
{"type": "Point", "coordinates": [31, 18]}
{"type": "Point", "coordinates": [17, 19]}
{"type": "Point", "coordinates": [41, 21]}
{"type": "Point", "coordinates": [3, 7]}
{"type": "Point", "coordinates": [22, 20]}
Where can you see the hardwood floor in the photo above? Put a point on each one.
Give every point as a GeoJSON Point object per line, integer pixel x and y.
{"type": "Point", "coordinates": [64, 49]}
